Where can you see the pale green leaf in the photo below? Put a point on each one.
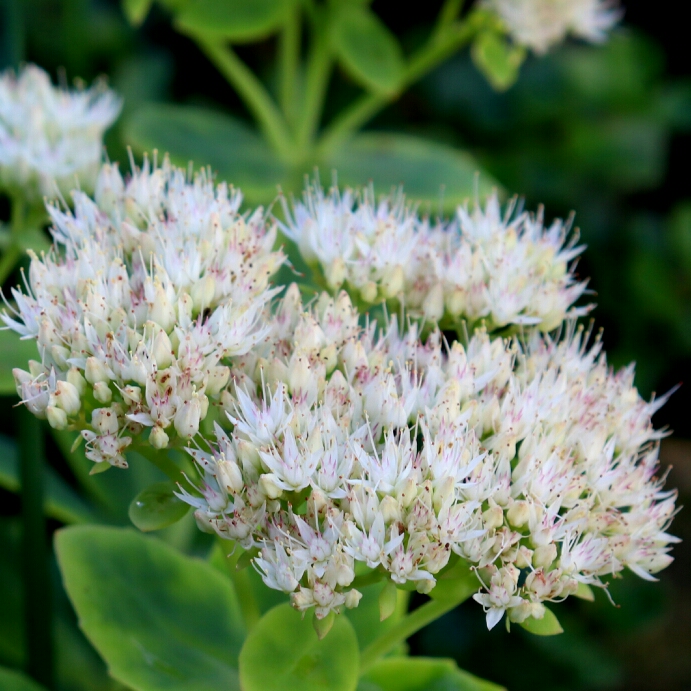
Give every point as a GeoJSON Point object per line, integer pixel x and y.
{"type": "Point", "coordinates": [233, 150]}
{"type": "Point", "coordinates": [497, 59]}
{"type": "Point", "coordinates": [161, 621]}
{"type": "Point", "coordinates": [439, 176]}
{"type": "Point", "coordinates": [283, 653]}
{"type": "Point", "coordinates": [547, 626]}
{"type": "Point", "coordinates": [368, 51]}
{"type": "Point", "coordinates": [585, 592]}
{"type": "Point", "coordinates": [136, 10]}
{"type": "Point", "coordinates": [234, 20]}
{"type": "Point", "coordinates": [157, 507]}
{"type": "Point", "coordinates": [422, 674]}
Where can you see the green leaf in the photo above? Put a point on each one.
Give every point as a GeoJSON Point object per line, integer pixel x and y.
{"type": "Point", "coordinates": [234, 20]}
{"type": "Point", "coordinates": [161, 621]}
{"type": "Point", "coordinates": [456, 583]}
{"type": "Point", "coordinates": [368, 51]}
{"type": "Point", "coordinates": [547, 626]}
{"type": "Point", "coordinates": [423, 674]}
{"type": "Point", "coordinates": [388, 599]}
{"type": "Point", "coordinates": [283, 653]}
{"type": "Point", "coordinates": [431, 173]}
{"type": "Point", "coordinates": [585, 592]}
{"type": "Point", "coordinates": [61, 501]}
{"type": "Point", "coordinates": [136, 10]}
{"type": "Point", "coordinates": [234, 151]}
{"type": "Point", "coordinates": [11, 680]}
{"type": "Point", "coordinates": [14, 352]}
{"type": "Point", "coordinates": [157, 507]}
{"type": "Point", "coordinates": [497, 59]}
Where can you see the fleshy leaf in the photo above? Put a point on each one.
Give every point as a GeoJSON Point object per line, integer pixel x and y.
{"type": "Point", "coordinates": [422, 674]}
{"type": "Point", "coordinates": [160, 620]}
{"type": "Point", "coordinates": [157, 507]}
{"type": "Point", "coordinates": [136, 10]}
{"type": "Point", "coordinates": [388, 598]}
{"type": "Point", "coordinates": [585, 592]}
{"type": "Point", "coordinates": [497, 59]}
{"type": "Point", "coordinates": [368, 51]}
{"type": "Point", "coordinates": [547, 626]}
{"type": "Point", "coordinates": [232, 150]}
{"type": "Point", "coordinates": [234, 20]}
{"type": "Point", "coordinates": [430, 173]}
{"type": "Point", "coordinates": [12, 680]}
{"type": "Point", "coordinates": [283, 653]}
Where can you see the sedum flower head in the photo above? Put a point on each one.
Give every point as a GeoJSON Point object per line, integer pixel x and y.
{"type": "Point", "coordinates": [541, 24]}
{"type": "Point", "coordinates": [148, 291]}
{"type": "Point", "coordinates": [501, 267]}
{"type": "Point", "coordinates": [50, 137]}
{"type": "Point", "coordinates": [509, 457]}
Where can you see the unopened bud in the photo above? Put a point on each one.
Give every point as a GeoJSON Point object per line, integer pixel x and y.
{"type": "Point", "coordinates": [203, 292]}
{"type": "Point", "coordinates": [544, 555]}
{"type": "Point", "coordinates": [493, 517]}
{"type": "Point", "coordinates": [102, 392]}
{"type": "Point", "coordinates": [57, 418]}
{"type": "Point", "coordinates": [187, 417]}
{"type": "Point", "coordinates": [74, 377]}
{"type": "Point", "coordinates": [368, 292]}
{"type": "Point", "coordinates": [217, 379]}
{"type": "Point", "coordinates": [267, 483]}
{"type": "Point", "coordinates": [132, 394]}
{"type": "Point", "coordinates": [433, 304]}
{"type": "Point", "coordinates": [95, 371]}
{"type": "Point", "coordinates": [67, 397]}
{"type": "Point", "coordinates": [336, 273]}
{"type": "Point", "coordinates": [104, 421]}
{"type": "Point", "coordinates": [162, 350]}
{"type": "Point", "coordinates": [158, 437]}
{"type": "Point", "coordinates": [456, 302]}
{"type": "Point", "coordinates": [390, 509]}
{"type": "Point", "coordinates": [392, 282]}
{"type": "Point", "coordinates": [353, 598]}
{"type": "Point", "coordinates": [519, 514]}
{"type": "Point", "coordinates": [229, 476]}
{"type": "Point", "coordinates": [407, 493]}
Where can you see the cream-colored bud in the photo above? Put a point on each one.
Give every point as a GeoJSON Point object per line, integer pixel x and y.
{"type": "Point", "coordinates": [455, 302]}
{"type": "Point", "coordinates": [47, 334]}
{"type": "Point", "coordinates": [57, 418]}
{"type": "Point", "coordinates": [36, 368]}
{"type": "Point", "coordinates": [392, 281]}
{"type": "Point", "coordinates": [60, 355]}
{"type": "Point", "coordinates": [158, 437]}
{"type": "Point", "coordinates": [20, 377]}
{"type": "Point", "coordinates": [443, 493]}
{"type": "Point", "coordinates": [300, 376]}
{"type": "Point", "coordinates": [352, 598]}
{"type": "Point", "coordinates": [229, 476]}
{"type": "Point", "coordinates": [268, 485]}
{"type": "Point", "coordinates": [95, 371]}
{"type": "Point", "coordinates": [329, 356]}
{"type": "Point", "coordinates": [493, 517]}
{"type": "Point", "coordinates": [132, 394]}
{"type": "Point", "coordinates": [74, 377]}
{"type": "Point", "coordinates": [390, 509]}
{"type": "Point", "coordinates": [248, 454]}
{"type": "Point", "coordinates": [276, 372]}
{"type": "Point", "coordinates": [203, 292]}
{"type": "Point", "coordinates": [433, 304]}
{"type": "Point", "coordinates": [102, 392]}
{"type": "Point", "coordinates": [204, 523]}
{"type": "Point", "coordinates": [110, 189]}
{"type": "Point", "coordinates": [161, 311]}
{"type": "Point", "coordinates": [524, 557]}
{"type": "Point", "coordinates": [301, 599]}
{"type": "Point", "coordinates": [162, 350]}
{"type": "Point", "coordinates": [407, 493]}
{"type": "Point", "coordinates": [187, 417]}
{"type": "Point", "coordinates": [519, 514]}
{"type": "Point", "coordinates": [217, 378]}
{"type": "Point", "coordinates": [425, 585]}
{"type": "Point", "coordinates": [185, 308]}
{"type": "Point", "coordinates": [368, 292]}
{"type": "Point", "coordinates": [104, 421]}
{"type": "Point", "coordinates": [336, 273]}
{"type": "Point", "coordinates": [544, 555]}
{"type": "Point", "coordinates": [67, 397]}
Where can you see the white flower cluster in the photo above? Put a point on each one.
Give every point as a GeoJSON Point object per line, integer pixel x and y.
{"type": "Point", "coordinates": [540, 24]}
{"type": "Point", "coordinates": [145, 294]}
{"type": "Point", "coordinates": [50, 137]}
{"type": "Point", "coordinates": [486, 266]}
{"type": "Point", "coordinates": [532, 463]}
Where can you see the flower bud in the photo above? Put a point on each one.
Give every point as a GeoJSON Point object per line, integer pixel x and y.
{"type": "Point", "coordinates": [407, 493]}
{"type": "Point", "coordinates": [203, 292]}
{"type": "Point", "coordinates": [267, 483]}
{"type": "Point", "coordinates": [132, 394]}
{"type": "Point", "coordinates": [102, 392]}
{"type": "Point", "coordinates": [95, 371]}
{"type": "Point", "coordinates": [433, 304]}
{"type": "Point", "coordinates": [162, 350]}
{"type": "Point", "coordinates": [392, 281]}
{"type": "Point", "coordinates": [352, 598]}
{"type": "Point", "coordinates": [390, 509]}
{"type": "Point", "coordinates": [524, 557]}
{"type": "Point", "coordinates": [229, 476]}
{"type": "Point", "coordinates": [493, 517]}
{"type": "Point", "coordinates": [519, 514]}
{"type": "Point", "coordinates": [188, 416]}
{"type": "Point", "coordinates": [67, 397]}
{"type": "Point", "coordinates": [74, 377]}
{"type": "Point", "coordinates": [110, 189]}
{"type": "Point", "coordinates": [217, 378]}
{"type": "Point", "coordinates": [544, 555]}
{"type": "Point", "coordinates": [104, 421]}
{"type": "Point", "coordinates": [456, 302]}
{"type": "Point", "coordinates": [57, 418]}
{"type": "Point", "coordinates": [368, 292]}
{"type": "Point", "coordinates": [425, 585]}
{"type": "Point", "coordinates": [158, 437]}
{"type": "Point", "coordinates": [336, 274]}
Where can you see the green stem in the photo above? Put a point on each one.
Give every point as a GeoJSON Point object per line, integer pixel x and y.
{"type": "Point", "coordinates": [449, 11]}
{"type": "Point", "coordinates": [243, 588]}
{"type": "Point", "coordinates": [410, 624]}
{"type": "Point", "coordinates": [318, 74]}
{"type": "Point", "coordinates": [289, 46]}
{"type": "Point", "coordinates": [253, 93]}
{"type": "Point", "coordinates": [35, 558]}
{"type": "Point", "coordinates": [441, 45]}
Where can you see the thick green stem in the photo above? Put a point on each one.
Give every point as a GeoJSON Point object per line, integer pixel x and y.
{"type": "Point", "coordinates": [440, 46]}
{"type": "Point", "coordinates": [248, 604]}
{"type": "Point", "coordinates": [35, 565]}
{"type": "Point", "coordinates": [409, 625]}
{"type": "Point", "coordinates": [318, 73]}
{"type": "Point", "coordinates": [253, 93]}
{"type": "Point", "coordinates": [289, 43]}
